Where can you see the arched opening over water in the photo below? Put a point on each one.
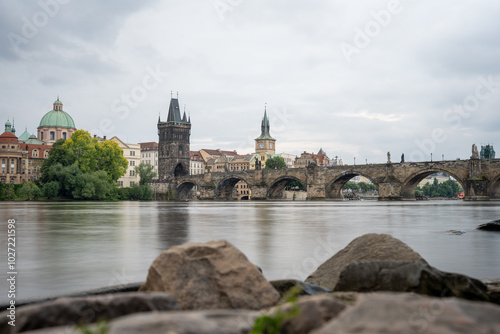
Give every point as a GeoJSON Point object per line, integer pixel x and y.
{"type": "Point", "coordinates": [411, 183]}
{"type": "Point", "coordinates": [187, 190]}
{"type": "Point", "coordinates": [494, 191]}
{"type": "Point", "coordinates": [333, 190]}
{"type": "Point", "coordinates": [287, 187]}
{"type": "Point", "coordinates": [180, 170]}
{"type": "Point", "coordinates": [227, 188]}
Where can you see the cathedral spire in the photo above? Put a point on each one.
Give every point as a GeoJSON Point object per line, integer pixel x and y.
{"type": "Point", "coordinates": [265, 127]}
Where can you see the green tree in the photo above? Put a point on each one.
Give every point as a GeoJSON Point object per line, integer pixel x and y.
{"type": "Point", "coordinates": [294, 185]}
{"type": "Point", "coordinates": [141, 192]}
{"type": "Point", "coordinates": [51, 189]}
{"type": "Point", "coordinates": [146, 173]}
{"type": "Point", "coordinates": [351, 185]}
{"type": "Point", "coordinates": [30, 191]}
{"type": "Point", "coordinates": [88, 154]}
{"type": "Point", "coordinates": [276, 163]}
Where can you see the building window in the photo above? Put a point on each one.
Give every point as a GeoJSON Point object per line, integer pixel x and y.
{"type": "Point", "coordinates": [132, 153]}
{"type": "Point", "coordinates": [3, 166]}
{"type": "Point", "coordinates": [3, 181]}
{"type": "Point", "coordinates": [120, 183]}
{"type": "Point", "coordinates": [132, 173]}
{"type": "Point", "coordinates": [41, 135]}
{"type": "Point", "coordinates": [64, 135]}
{"type": "Point", "coordinates": [132, 163]}
{"type": "Point", "coordinates": [52, 135]}
{"type": "Point", "coordinates": [132, 183]}
{"type": "Point", "coordinates": [12, 181]}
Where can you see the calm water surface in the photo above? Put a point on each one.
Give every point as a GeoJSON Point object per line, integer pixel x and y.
{"type": "Point", "coordinates": [66, 247]}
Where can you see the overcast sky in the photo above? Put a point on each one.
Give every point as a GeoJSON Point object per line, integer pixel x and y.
{"type": "Point", "coordinates": [356, 78]}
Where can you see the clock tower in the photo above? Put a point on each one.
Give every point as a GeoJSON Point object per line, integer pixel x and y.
{"type": "Point", "coordinates": [265, 143]}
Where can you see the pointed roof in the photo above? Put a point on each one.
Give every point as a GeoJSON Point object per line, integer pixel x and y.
{"type": "Point", "coordinates": [174, 113]}
{"type": "Point", "coordinates": [321, 152]}
{"type": "Point", "coordinates": [265, 128]}
{"type": "Point", "coordinates": [25, 135]}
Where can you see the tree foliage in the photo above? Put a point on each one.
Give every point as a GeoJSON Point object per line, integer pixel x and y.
{"type": "Point", "coordinates": [447, 189]}
{"type": "Point", "coordinates": [88, 154]}
{"type": "Point", "coordinates": [30, 191]}
{"type": "Point", "coordinates": [276, 163]}
{"type": "Point", "coordinates": [361, 186]}
{"type": "Point", "coordinates": [146, 173]}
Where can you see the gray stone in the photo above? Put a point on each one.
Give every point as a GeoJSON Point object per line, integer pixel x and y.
{"type": "Point", "coordinates": [416, 277]}
{"type": "Point", "coordinates": [190, 322]}
{"type": "Point", "coordinates": [306, 289]}
{"type": "Point", "coordinates": [85, 310]}
{"type": "Point", "coordinates": [394, 313]}
{"type": "Point", "coordinates": [491, 226]}
{"type": "Point", "coordinates": [315, 311]}
{"type": "Point", "coordinates": [213, 275]}
{"type": "Point", "coordinates": [367, 248]}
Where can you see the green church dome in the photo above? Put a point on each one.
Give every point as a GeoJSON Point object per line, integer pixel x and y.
{"type": "Point", "coordinates": [57, 118]}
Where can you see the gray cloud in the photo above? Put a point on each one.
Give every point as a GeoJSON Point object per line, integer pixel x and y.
{"type": "Point", "coordinates": [391, 97]}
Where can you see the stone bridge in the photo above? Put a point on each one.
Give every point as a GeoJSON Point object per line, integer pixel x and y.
{"type": "Point", "coordinates": [395, 181]}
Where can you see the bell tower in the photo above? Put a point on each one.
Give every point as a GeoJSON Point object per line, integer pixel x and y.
{"type": "Point", "coordinates": [265, 143]}
{"type": "Point", "coordinates": [174, 143]}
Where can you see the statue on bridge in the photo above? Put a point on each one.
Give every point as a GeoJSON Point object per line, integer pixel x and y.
{"type": "Point", "coordinates": [475, 152]}
{"type": "Point", "coordinates": [389, 158]}
{"type": "Point", "coordinates": [402, 158]}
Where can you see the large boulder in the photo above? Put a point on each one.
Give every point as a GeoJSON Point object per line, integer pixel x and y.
{"type": "Point", "coordinates": [367, 248]}
{"type": "Point", "coordinates": [491, 226]}
{"type": "Point", "coordinates": [416, 277]}
{"type": "Point", "coordinates": [213, 275]}
{"type": "Point", "coordinates": [85, 310]}
{"type": "Point", "coordinates": [393, 313]}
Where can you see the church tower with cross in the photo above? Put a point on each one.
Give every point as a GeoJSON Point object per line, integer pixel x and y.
{"type": "Point", "coordinates": [174, 142]}
{"type": "Point", "coordinates": [265, 143]}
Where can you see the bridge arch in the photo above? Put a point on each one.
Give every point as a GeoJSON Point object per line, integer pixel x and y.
{"type": "Point", "coordinates": [185, 188]}
{"type": "Point", "coordinates": [333, 189]}
{"type": "Point", "coordinates": [410, 184]}
{"type": "Point", "coordinates": [275, 191]}
{"type": "Point", "coordinates": [225, 187]}
{"type": "Point", "coordinates": [494, 188]}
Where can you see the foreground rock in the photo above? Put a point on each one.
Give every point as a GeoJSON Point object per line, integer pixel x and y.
{"type": "Point", "coordinates": [213, 275]}
{"type": "Point", "coordinates": [391, 313]}
{"type": "Point", "coordinates": [85, 310]}
{"type": "Point", "coordinates": [416, 277]}
{"type": "Point", "coordinates": [193, 322]}
{"type": "Point", "coordinates": [367, 248]}
{"type": "Point", "coordinates": [315, 311]}
{"type": "Point", "coordinates": [491, 226]}
{"type": "Point", "coordinates": [306, 289]}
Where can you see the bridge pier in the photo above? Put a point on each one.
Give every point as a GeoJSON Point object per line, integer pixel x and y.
{"type": "Point", "coordinates": [477, 190]}
{"type": "Point", "coordinates": [389, 191]}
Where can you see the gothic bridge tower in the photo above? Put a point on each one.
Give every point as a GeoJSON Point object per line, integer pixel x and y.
{"type": "Point", "coordinates": [173, 143]}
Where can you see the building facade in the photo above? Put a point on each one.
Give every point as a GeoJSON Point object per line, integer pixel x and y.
{"type": "Point", "coordinates": [12, 159]}
{"type": "Point", "coordinates": [56, 124]}
{"type": "Point", "coordinates": [149, 155]}
{"type": "Point", "coordinates": [131, 152]}
{"type": "Point", "coordinates": [174, 143]}
{"type": "Point", "coordinates": [196, 163]}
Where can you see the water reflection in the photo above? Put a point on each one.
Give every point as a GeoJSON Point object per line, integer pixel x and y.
{"type": "Point", "coordinates": [172, 225]}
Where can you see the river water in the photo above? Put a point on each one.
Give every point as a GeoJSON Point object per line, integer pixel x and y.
{"type": "Point", "coordinates": [72, 246]}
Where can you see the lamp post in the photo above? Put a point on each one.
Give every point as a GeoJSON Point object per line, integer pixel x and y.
{"type": "Point", "coordinates": [431, 157]}
{"type": "Point", "coordinates": [366, 161]}
{"type": "Point", "coordinates": [354, 161]}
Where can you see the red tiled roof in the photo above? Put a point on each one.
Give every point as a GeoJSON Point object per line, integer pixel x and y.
{"type": "Point", "coordinates": [8, 137]}
{"type": "Point", "coordinates": [149, 146]}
